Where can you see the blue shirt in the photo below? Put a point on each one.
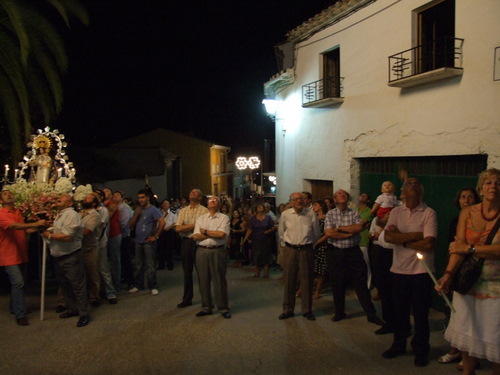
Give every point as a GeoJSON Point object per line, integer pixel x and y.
{"type": "Point", "coordinates": [146, 225]}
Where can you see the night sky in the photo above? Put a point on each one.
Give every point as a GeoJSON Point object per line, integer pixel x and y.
{"type": "Point", "coordinates": [194, 67]}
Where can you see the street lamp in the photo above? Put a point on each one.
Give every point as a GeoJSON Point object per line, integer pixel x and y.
{"type": "Point", "coordinates": [271, 107]}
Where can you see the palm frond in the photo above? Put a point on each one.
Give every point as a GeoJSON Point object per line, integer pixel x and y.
{"type": "Point", "coordinates": [12, 9]}
{"type": "Point", "coordinates": [70, 7]}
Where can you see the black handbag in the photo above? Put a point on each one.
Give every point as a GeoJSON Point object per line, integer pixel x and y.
{"type": "Point", "coordinates": [471, 268]}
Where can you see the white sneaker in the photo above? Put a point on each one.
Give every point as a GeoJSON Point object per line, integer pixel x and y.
{"type": "Point", "coordinates": [154, 292]}
{"type": "Point", "coordinates": [133, 290]}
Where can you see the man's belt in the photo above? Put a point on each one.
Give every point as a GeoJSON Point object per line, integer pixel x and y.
{"type": "Point", "coordinates": [211, 247]}
{"type": "Point", "coordinates": [298, 247]}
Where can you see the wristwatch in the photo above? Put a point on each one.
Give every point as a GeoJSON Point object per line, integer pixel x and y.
{"type": "Point", "coordinates": [205, 232]}
{"type": "Point", "coordinates": [472, 249]}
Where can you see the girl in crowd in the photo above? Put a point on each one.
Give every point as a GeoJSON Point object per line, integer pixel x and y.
{"type": "Point", "coordinates": [320, 247]}
{"type": "Point", "coordinates": [237, 230]}
{"type": "Point", "coordinates": [467, 196]}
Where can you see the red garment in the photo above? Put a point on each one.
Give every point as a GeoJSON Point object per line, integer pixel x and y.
{"type": "Point", "coordinates": [13, 246]}
{"type": "Point", "coordinates": [114, 221]}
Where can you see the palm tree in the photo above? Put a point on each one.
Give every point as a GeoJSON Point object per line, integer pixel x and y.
{"type": "Point", "coordinates": [32, 62]}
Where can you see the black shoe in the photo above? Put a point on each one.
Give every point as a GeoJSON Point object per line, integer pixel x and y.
{"type": "Point", "coordinates": [375, 320]}
{"type": "Point", "coordinates": [95, 303]}
{"type": "Point", "coordinates": [421, 360]}
{"type": "Point", "coordinates": [83, 321]}
{"type": "Point", "coordinates": [309, 316]}
{"type": "Point", "coordinates": [226, 315]}
{"type": "Point", "coordinates": [184, 304]}
{"type": "Point", "coordinates": [113, 301]}
{"type": "Point", "coordinates": [170, 268]}
{"type": "Point", "coordinates": [60, 309]}
{"type": "Point", "coordinates": [339, 316]}
{"type": "Point", "coordinates": [284, 316]}
{"type": "Point", "coordinates": [68, 314]}
{"type": "Point", "coordinates": [23, 321]}
{"type": "Point", "coordinates": [386, 328]}
{"type": "Point", "coordinates": [393, 352]}
{"type": "Point", "coordinates": [204, 313]}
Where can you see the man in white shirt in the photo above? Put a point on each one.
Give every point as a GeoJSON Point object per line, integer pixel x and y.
{"type": "Point", "coordinates": [210, 233]}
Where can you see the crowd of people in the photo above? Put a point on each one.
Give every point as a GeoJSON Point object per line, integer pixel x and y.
{"type": "Point", "coordinates": [108, 243]}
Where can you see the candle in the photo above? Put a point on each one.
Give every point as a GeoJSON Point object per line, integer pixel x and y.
{"type": "Point", "coordinates": [445, 297]}
{"type": "Point", "coordinates": [16, 171]}
{"type": "Point", "coordinates": [6, 170]}
{"type": "Point", "coordinates": [59, 172]}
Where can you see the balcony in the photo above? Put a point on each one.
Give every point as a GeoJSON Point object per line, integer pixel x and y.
{"type": "Point", "coordinates": [440, 59]}
{"type": "Point", "coordinates": [322, 93]}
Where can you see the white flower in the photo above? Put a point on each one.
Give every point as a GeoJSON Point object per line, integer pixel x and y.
{"type": "Point", "coordinates": [63, 186]}
{"type": "Point", "coordinates": [82, 191]}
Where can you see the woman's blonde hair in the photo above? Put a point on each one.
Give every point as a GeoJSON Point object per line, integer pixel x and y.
{"type": "Point", "coordinates": [483, 176]}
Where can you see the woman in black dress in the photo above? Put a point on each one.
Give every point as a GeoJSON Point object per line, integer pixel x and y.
{"type": "Point", "coordinates": [237, 231]}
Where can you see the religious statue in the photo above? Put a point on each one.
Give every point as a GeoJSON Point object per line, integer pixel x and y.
{"type": "Point", "coordinates": [42, 161]}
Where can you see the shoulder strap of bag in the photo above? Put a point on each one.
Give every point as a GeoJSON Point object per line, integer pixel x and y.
{"type": "Point", "coordinates": [493, 232]}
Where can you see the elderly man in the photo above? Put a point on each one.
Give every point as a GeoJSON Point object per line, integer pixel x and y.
{"type": "Point", "coordinates": [185, 227]}
{"type": "Point", "coordinates": [92, 229]}
{"type": "Point", "coordinates": [66, 248]}
{"type": "Point", "coordinates": [411, 228]}
{"type": "Point", "coordinates": [344, 257]}
{"type": "Point", "coordinates": [299, 230]}
{"type": "Point", "coordinates": [14, 251]}
{"type": "Point", "coordinates": [210, 233]}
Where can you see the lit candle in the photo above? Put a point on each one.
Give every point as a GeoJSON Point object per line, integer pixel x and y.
{"type": "Point", "coordinates": [445, 297]}
{"type": "Point", "coordinates": [16, 171]}
{"type": "Point", "coordinates": [6, 170]}
{"type": "Point", "coordinates": [59, 172]}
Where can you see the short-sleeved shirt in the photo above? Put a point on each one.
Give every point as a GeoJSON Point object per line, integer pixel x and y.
{"type": "Point", "coordinates": [188, 216]}
{"type": "Point", "coordinates": [67, 222]}
{"type": "Point", "coordinates": [13, 248]}
{"type": "Point", "coordinates": [126, 214]}
{"type": "Point", "coordinates": [386, 200]}
{"type": "Point", "coordinates": [146, 225]}
{"type": "Point", "coordinates": [335, 218]}
{"type": "Point", "coordinates": [421, 219]}
{"type": "Point", "coordinates": [91, 220]}
{"type": "Point", "coordinates": [217, 222]}
{"type": "Point", "coordinates": [299, 228]}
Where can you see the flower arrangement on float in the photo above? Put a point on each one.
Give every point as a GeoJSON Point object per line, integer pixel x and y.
{"type": "Point", "coordinates": [43, 175]}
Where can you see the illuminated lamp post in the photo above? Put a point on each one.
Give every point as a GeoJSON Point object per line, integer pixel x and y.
{"type": "Point", "coordinates": [253, 162]}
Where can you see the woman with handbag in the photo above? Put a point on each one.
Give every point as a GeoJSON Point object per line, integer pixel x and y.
{"type": "Point", "coordinates": [475, 327]}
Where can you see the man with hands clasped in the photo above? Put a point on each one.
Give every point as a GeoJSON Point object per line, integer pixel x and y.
{"type": "Point", "coordinates": [412, 228]}
{"type": "Point", "coordinates": [210, 233]}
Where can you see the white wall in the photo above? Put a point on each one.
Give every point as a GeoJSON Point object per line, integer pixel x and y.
{"type": "Point", "coordinates": [451, 117]}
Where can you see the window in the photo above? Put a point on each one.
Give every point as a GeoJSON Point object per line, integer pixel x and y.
{"type": "Point", "coordinates": [331, 73]}
{"type": "Point", "coordinates": [435, 35]}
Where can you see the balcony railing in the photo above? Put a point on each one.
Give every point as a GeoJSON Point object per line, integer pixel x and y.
{"type": "Point", "coordinates": [323, 92]}
{"type": "Point", "coordinates": [440, 59]}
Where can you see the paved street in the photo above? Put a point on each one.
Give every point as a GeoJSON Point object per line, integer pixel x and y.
{"type": "Point", "coordinates": [146, 334]}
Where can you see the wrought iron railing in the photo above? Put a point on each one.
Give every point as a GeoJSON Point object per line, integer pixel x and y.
{"type": "Point", "coordinates": [440, 53]}
{"type": "Point", "coordinates": [330, 87]}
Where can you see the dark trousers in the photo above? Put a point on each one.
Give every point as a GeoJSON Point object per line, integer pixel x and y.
{"type": "Point", "coordinates": [71, 274]}
{"type": "Point", "coordinates": [348, 264]}
{"type": "Point", "coordinates": [381, 262]}
{"type": "Point", "coordinates": [188, 255]}
{"type": "Point", "coordinates": [412, 292]}
{"type": "Point", "coordinates": [126, 259]}
{"type": "Point", "coordinates": [298, 265]}
{"type": "Point", "coordinates": [165, 249]}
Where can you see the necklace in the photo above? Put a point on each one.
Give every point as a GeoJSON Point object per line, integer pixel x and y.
{"type": "Point", "coordinates": [488, 218]}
